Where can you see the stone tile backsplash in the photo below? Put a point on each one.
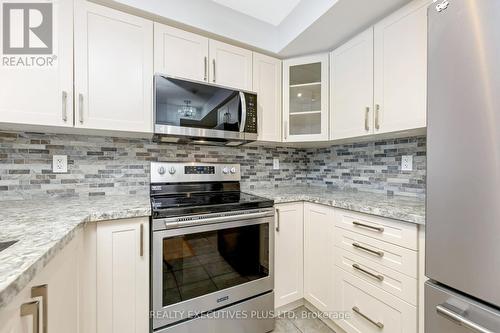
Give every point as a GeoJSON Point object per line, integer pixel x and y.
{"type": "Point", "coordinates": [112, 166]}
{"type": "Point", "coordinates": [370, 166]}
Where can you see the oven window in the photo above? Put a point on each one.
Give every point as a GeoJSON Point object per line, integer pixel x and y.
{"type": "Point", "coordinates": [198, 264]}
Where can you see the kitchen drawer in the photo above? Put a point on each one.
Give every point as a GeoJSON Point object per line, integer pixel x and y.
{"type": "Point", "coordinates": [396, 283]}
{"type": "Point", "coordinates": [371, 310]}
{"type": "Point", "coordinates": [395, 232]}
{"type": "Point", "coordinates": [389, 255]}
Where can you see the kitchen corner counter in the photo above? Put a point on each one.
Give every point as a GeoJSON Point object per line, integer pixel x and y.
{"type": "Point", "coordinates": [43, 227]}
{"type": "Point", "coordinates": [407, 209]}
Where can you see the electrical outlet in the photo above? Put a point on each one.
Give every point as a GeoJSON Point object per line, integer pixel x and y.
{"type": "Point", "coordinates": [276, 164]}
{"type": "Point", "coordinates": [407, 163]}
{"type": "Point", "coordinates": [59, 163]}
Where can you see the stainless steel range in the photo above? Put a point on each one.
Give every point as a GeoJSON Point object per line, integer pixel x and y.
{"type": "Point", "coordinates": [212, 251]}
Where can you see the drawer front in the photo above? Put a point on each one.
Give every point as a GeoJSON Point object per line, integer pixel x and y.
{"type": "Point", "coordinates": [395, 232]}
{"type": "Point", "coordinates": [389, 255]}
{"type": "Point", "coordinates": [396, 283]}
{"type": "Point", "coordinates": [371, 310]}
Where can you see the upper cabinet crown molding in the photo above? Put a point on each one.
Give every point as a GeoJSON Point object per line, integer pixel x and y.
{"type": "Point", "coordinates": [113, 69]}
{"type": "Point", "coordinates": [267, 84]}
{"type": "Point", "coordinates": [305, 98]}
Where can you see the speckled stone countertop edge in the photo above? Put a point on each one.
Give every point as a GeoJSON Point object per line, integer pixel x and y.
{"type": "Point", "coordinates": [24, 277]}
{"type": "Point", "coordinates": [17, 285]}
{"type": "Point", "coordinates": [403, 209]}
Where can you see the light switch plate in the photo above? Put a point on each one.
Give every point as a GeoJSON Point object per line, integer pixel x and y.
{"type": "Point", "coordinates": [407, 163]}
{"type": "Point", "coordinates": [276, 164]}
{"type": "Point", "coordinates": [59, 163]}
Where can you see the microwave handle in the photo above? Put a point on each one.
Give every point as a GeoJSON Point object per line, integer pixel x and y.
{"type": "Point", "coordinates": [243, 112]}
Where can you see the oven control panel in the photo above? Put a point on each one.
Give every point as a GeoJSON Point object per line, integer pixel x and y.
{"type": "Point", "coordinates": [165, 172]}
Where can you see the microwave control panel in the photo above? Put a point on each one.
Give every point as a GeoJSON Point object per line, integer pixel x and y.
{"type": "Point", "coordinates": [251, 124]}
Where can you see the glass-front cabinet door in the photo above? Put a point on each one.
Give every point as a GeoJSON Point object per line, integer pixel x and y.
{"type": "Point", "coordinates": [305, 94]}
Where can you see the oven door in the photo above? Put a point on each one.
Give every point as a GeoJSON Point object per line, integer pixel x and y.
{"type": "Point", "coordinates": [206, 267]}
{"type": "Point", "coordinates": [193, 109]}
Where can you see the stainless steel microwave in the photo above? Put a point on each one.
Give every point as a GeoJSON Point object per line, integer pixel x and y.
{"type": "Point", "coordinates": [190, 111]}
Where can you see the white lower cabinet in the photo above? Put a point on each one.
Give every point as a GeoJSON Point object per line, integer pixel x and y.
{"type": "Point", "coordinates": [318, 255]}
{"type": "Point", "coordinates": [53, 294]}
{"type": "Point", "coordinates": [123, 276]}
{"type": "Point", "coordinates": [357, 267]}
{"type": "Point", "coordinates": [371, 309]}
{"type": "Point", "coordinates": [289, 254]}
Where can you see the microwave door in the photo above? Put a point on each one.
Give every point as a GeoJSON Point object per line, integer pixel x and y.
{"type": "Point", "coordinates": [186, 104]}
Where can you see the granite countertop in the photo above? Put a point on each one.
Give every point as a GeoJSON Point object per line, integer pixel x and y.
{"type": "Point", "coordinates": [44, 227]}
{"type": "Point", "coordinates": [407, 209]}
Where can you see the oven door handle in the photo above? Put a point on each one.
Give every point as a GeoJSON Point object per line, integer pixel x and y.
{"type": "Point", "coordinates": [171, 223]}
{"type": "Point", "coordinates": [243, 122]}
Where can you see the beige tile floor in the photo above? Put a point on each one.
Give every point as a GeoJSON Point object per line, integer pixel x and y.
{"type": "Point", "coordinates": [300, 320]}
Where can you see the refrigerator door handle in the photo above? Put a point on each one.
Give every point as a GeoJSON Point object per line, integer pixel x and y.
{"type": "Point", "coordinates": [460, 320]}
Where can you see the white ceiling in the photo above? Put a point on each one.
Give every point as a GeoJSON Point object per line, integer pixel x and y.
{"type": "Point", "coordinates": [282, 27]}
{"type": "Point", "coordinates": [270, 11]}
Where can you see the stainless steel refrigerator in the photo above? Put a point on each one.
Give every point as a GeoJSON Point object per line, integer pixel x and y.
{"type": "Point", "coordinates": [463, 179]}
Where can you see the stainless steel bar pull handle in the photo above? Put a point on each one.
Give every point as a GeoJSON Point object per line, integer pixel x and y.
{"type": "Point", "coordinates": [460, 320]}
{"type": "Point", "coordinates": [362, 225]}
{"type": "Point", "coordinates": [367, 114]}
{"type": "Point", "coordinates": [277, 219]}
{"type": "Point", "coordinates": [376, 323]}
{"type": "Point", "coordinates": [64, 106]}
{"type": "Point", "coordinates": [43, 292]}
{"type": "Point", "coordinates": [141, 250]}
{"type": "Point", "coordinates": [205, 72]}
{"type": "Point", "coordinates": [80, 107]}
{"type": "Point", "coordinates": [32, 309]}
{"type": "Point", "coordinates": [377, 116]}
{"type": "Point", "coordinates": [213, 64]}
{"type": "Point", "coordinates": [286, 130]}
{"type": "Point", "coordinates": [373, 275]}
{"type": "Point", "coordinates": [360, 247]}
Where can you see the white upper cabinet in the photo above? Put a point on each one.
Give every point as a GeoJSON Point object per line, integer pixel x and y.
{"type": "Point", "coordinates": [42, 95]}
{"type": "Point", "coordinates": [194, 57]}
{"type": "Point", "coordinates": [113, 69]}
{"type": "Point", "coordinates": [401, 69]}
{"type": "Point", "coordinates": [352, 88]}
{"type": "Point", "coordinates": [230, 66]}
{"type": "Point", "coordinates": [180, 53]}
{"type": "Point", "coordinates": [305, 99]}
{"type": "Point", "coordinates": [267, 84]}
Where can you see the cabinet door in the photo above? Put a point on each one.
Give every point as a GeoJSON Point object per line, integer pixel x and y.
{"type": "Point", "coordinates": [123, 276]}
{"type": "Point", "coordinates": [230, 66]}
{"type": "Point", "coordinates": [113, 69]}
{"type": "Point", "coordinates": [401, 69]}
{"type": "Point", "coordinates": [180, 53]}
{"type": "Point", "coordinates": [42, 95]}
{"type": "Point", "coordinates": [267, 84]}
{"type": "Point", "coordinates": [351, 89]}
{"type": "Point", "coordinates": [61, 278]}
{"type": "Point", "coordinates": [318, 255]}
{"type": "Point", "coordinates": [289, 255]}
{"type": "Point", "coordinates": [305, 99]}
